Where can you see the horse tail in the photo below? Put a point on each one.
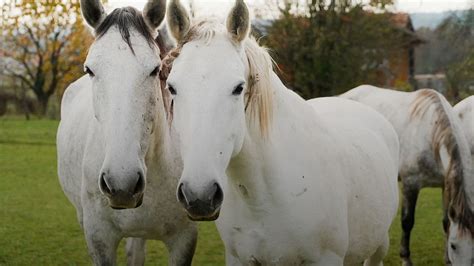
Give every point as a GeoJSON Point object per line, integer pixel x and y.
{"type": "Point", "coordinates": [451, 150]}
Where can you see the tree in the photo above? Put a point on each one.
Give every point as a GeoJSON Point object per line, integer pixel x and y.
{"type": "Point", "coordinates": [457, 33]}
{"type": "Point", "coordinates": [45, 43]}
{"type": "Point", "coordinates": [450, 50]}
{"type": "Point", "coordinates": [327, 47]}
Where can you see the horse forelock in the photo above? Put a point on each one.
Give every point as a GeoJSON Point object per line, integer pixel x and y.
{"type": "Point", "coordinates": [443, 135]}
{"type": "Point", "coordinates": [126, 19]}
{"type": "Point", "coordinates": [259, 102]}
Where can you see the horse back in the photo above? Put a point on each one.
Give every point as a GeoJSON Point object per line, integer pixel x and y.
{"type": "Point", "coordinates": [415, 117]}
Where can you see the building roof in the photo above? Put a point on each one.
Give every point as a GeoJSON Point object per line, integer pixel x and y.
{"type": "Point", "coordinates": [403, 21]}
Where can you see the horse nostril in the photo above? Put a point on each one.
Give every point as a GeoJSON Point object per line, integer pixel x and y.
{"type": "Point", "coordinates": [103, 185]}
{"type": "Point", "coordinates": [218, 196]}
{"type": "Point", "coordinates": [181, 197]}
{"type": "Point", "coordinates": [140, 186]}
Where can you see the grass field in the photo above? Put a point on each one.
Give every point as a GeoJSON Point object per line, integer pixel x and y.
{"type": "Point", "coordinates": [38, 225]}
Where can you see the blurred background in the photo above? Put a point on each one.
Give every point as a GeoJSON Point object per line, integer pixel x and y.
{"type": "Point", "coordinates": [320, 47]}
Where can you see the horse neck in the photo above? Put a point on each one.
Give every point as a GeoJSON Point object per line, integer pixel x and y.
{"type": "Point", "coordinates": [161, 153]}
{"type": "Point", "coordinates": [250, 171]}
{"type": "Point", "coordinates": [467, 167]}
{"type": "Point", "coordinates": [246, 173]}
{"type": "Point", "coordinates": [458, 167]}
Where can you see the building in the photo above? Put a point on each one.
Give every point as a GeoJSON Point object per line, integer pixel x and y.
{"type": "Point", "coordinates": [433, 81]}
{"type": "Point", "coordinates": [399, 69]}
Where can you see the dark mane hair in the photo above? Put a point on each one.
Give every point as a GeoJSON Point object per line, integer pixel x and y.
{"type": "Point", "coordinates": [126, 18]}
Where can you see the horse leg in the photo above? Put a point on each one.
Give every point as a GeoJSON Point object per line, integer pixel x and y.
{"type": "Point", "coordinates": [181, 246]}
{"type": "Point", "coordinates": [102, 241]}
{"type": "Point", "coordinates": [135, 249]}
{"type": "Point", "coordinates": [377, 258]}
{"type": "Point", "coordinates": [445, 225]}
{"type": "Point", "coordinates": [410, 196]}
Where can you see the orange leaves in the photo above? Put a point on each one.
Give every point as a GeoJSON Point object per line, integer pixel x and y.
{"type": "Point", "coordinates": [46, 43]}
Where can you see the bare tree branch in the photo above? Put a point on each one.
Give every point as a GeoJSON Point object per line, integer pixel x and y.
{"type": "Point", "coordinates": [33, 37]}
{"type": "Point", "coordinates": [12, 73]}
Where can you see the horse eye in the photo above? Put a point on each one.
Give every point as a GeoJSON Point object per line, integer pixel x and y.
{"type": "Point", "coordinates": [172, 90]}
{"type": "Point", "coordinates": [89, 71]}
{"type": "Point", "coordinates": [453, 247]}
{"type": "Point", "coordinates": [238, 90]}
{"type": "Point", "coordinates": [155, 71]}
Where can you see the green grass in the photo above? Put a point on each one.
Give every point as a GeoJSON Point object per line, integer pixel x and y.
{"type": "Point", "coordinates": [38, 225]}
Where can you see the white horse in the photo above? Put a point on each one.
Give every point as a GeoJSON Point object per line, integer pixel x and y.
{"type": "Point", "coordinates": [465, 112]}
{"type": "Point", "coordinates": [292, 183]}
{"type": "Point", "coordinates": [116, 162]}
{"type": "Point", "coordinates": [429, 131]}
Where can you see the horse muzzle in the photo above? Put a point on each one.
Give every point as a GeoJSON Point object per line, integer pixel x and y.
{"type": "Point", "coordinates": [122, 196]}
{"type": "Point", "coordinates": [204, 208]}
{"type": "Point", "coordinates": [124, 200]}
{"type": "Point", "coordinates": [198, 212]}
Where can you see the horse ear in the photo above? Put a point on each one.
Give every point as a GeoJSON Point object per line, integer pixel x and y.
{"type": "Point", "coordinates": [93, 12]}
{"type": "Point", "coordinates": [178, 20]}
{"type": "Point", "coordinates": [238, 21]}
{"type": "Point", "coordinates": [154, 12]}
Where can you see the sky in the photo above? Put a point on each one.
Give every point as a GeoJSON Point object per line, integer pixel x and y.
{"type": "Point", "coordinates": [213, 6]}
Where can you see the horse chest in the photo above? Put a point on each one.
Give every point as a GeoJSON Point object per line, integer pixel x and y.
{"type": "Point", "coordinates": [263, 243]}
{"type": "Point", "coordinates": [157, 218]}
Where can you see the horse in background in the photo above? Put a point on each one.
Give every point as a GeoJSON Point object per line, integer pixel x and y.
{"type": "Point", "coordinates": [433, 153]}
{"type": "Point", "coordinates": [116, 160]}
{"type": "Point", "coordinates": [465, 112]}
{"type": "Point", "coordinates": [288, 182]}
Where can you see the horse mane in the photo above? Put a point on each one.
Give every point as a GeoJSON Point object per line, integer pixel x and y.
{"type": "Point", "coordinates": [126, 18]}
{"type": "Point", "coordinates": [259, 96]}
{"type": "Point", "coordinates": [443, 134]}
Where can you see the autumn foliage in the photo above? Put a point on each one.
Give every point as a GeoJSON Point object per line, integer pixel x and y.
{"type": "Point", "coordinates": [324, 47]}
{"type": "Point", "coordinates": [44, 44]}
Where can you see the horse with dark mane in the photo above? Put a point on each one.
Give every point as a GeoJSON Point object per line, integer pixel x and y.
{"type": "Point", "coordinates": [116, 160]}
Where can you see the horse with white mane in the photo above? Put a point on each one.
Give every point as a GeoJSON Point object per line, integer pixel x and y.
{"type": "Point", "coordinates": [465, 112]}
{"type": "Point", "coordinates": [116, 161]}
{"type": "Point", "coordinates": [433, 153]}
{"type": "Point", "coordinates": [289, 182]}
